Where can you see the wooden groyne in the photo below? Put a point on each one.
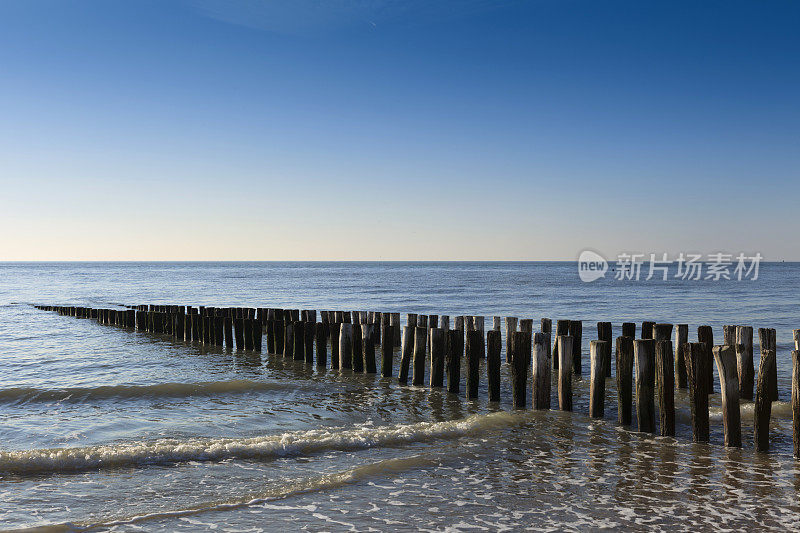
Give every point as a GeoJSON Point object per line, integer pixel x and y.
{"type": "Point", "coordinates": [648, 368]}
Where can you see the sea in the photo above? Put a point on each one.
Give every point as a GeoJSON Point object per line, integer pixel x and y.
{"type": "Point", "coordinates": [104, 428]}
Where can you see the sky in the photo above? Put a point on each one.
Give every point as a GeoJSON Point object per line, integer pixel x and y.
{"type": "Point", "coordinates": [397, 130]}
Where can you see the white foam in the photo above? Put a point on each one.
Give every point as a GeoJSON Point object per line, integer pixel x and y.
{"type": "Point", "coordinates": [170, 451]}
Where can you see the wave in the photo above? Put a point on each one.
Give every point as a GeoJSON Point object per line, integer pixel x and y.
{"type": "Point", "coordinates": [172, 451]}
{"type": "Point", "coordinates": [159, 390]}
{"type": "Point", "coordinates": [283, 490]}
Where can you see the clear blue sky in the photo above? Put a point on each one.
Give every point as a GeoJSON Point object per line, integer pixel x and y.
{"type": "Point", "coordinates": [207, 129]}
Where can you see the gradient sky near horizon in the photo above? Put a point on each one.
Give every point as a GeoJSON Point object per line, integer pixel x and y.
{"type": "Point", "coordinates": [408, 130]}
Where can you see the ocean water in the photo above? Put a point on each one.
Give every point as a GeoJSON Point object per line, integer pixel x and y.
{"type": "Point", "coordinates": [111, 429]}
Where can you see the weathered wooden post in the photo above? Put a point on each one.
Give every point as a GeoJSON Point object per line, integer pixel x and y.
{"type": "Point", "coordinates": [288, 341]}
{"type": "Point", "coordinates": [411, 320]}
{"type": "Point", "coordinates": [387, 349]}
{"type": "Point", "coordinates": [728, 335]}
{"type": "Point", "coordinates": [624, 356]}
{"type": "Point", "coordinates": [511, 327]}
{"type": "Point", "coordinates": [479, 326]}
{"type": "Point", "coordinates": [299, 351]}
{"type": "Point", "coordinates": [238, 329]}
{"type": "Point", "coordinates": [597, 378]}
{"type": "Point", "coordinates": [309, 334]}
{"type": "Point", "coordinates": [422, 322]}
{"type": "Point", "coordinates": [497, 323]}
{"type": "Point", "coordinates": [493, 347]}
{"type": "Point", "coordinates": [437, 344]}
{"type": "Point", "coordinates": [629, 329]}
{"type": "Point", "coordinates": [576, 332]}
{"type": "Point", "coordinates": [346, 346]}
{"type": "Point", "coordinates": [565, 372]}
{"type": "Point", "coordinates": [725, 357]}
{"type": "Point", "coordinates": [744, 361]}
{"type": "Point", "coordinates": [796, 397]}
{"type": "Point", "coordinates": [420, 342]}
{"type": "Point", "coordinates": [459, 323]}
{"type": "Point", "coordinates": [604, 334]}
{"type": "Point", "coordinates": [368, 348]}
{"type": "Point", "coordinates": [228, 332]}
{"type": "Point", "coordinates": [248, 334]}
{"type": "Point", "coordinates": [334, 328]}
{"type": "Point", "coordinates": [358, 346]}
{"type": "Point", "coordinates": [407, 352]}
{"type": "Point", "coordinates": [644, 358]}
{"type": "Point", "coordinates": [681, 340]}
{"type": "Point", "coordinates": [796, 335]}
{"type": "Point", "coordinates": [541, 370]}
{"type": "Point", "coordinates": [763, 404]}
{"type": "Point", "coordinates": [705, 335]}
{"type": "Point", "coordinates": [320, 331]}
{"type": "Point", "coordinates": [665, 383]}
{"type": "Point", "coordinates": [474, 345]}
{"type": "Point", "coordinates": [280, 335]}
{"type": "Point", "coordinates": [647, 330]}
{"type": "Point", "coordinates": [696, 368]}
{"type": "Point", "coordinates": [767, 339]}
{"type": "Point", "coordinates": [455, 351]}
{"type": "Point", "coordinates": [270, 331]}
{"type": "Point", "coordinates": [519, 368]}
{"type": "Point", "coordinates": [562, 330]}
{"type": "Point", "coordinates": [394, 321]}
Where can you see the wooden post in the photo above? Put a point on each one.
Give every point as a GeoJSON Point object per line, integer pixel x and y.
{"type": "Point", "coordinates": [511, 327]}
{"type": "Point", "coordinates": [576, 332]}
{"type": "Point", "coordinates": [644, 358]}
{"type": "Point", "coordinates": [309, 334]}
{"type": "Point", "coordinates": [705, 335]}
{"type": "Point", "coordinates": [681, 340]}
{"type": "Point", "coordinates": [346, 346]}
{"type": "Point", "coordinates": [394, 321]}
{"type": "Point", "coordinates": [248, 334]}
{"type": "Point", "coordinates": [597, 378]}
{"type": "Point", "coordinates": [411, 320]}
{"type": "Point", "coordinates": [437, 343]}
{"type": "Point", "coordinates": [280, 335]}
{"type": "Point", "coordinates": [665, 384]}
{"type": "Point", "coordinates": [564, 372]}
{"type": "Point", "coordinates": [541, 370]}
{"type": "Point", "coordinates": [228, 332]}
{"type": "Point", "coordinates": [479, 326]}
{"type": "Point", "coordinates": [604, 334]}
{"type": "Point", "coordinates": [662, 332]}
{"type": "Point", "coordinates": [238, 328]}
{"type": "Point", "coordinates": [647, 331]}
{"type": "Point", "coordinates": [422, 322]}
{"type": "Point", "coordinates": [744, 361]}
{"type": "Point", "coordinates": [796, 335]}
{"type": "Point", "coordinates": [407, 351]}
{"type": "Point", "coordinates": [766, 337]}
{"type": "Point", "coordinates": [519, 368]}
{"type": "Point", "coordinates": [696, 368]}
{"type": "Point", "coordinates": [334, 328]}
{"type": "Point", "coordinates": [493, 347]}
{"type": "Point", "coordinates": [270, 331]}
{"type": "Point", "coordinates": [368, 348]}
{"type": "Point", "coordinates": [562, 330]}
{"type": "Point", "coordinates": [725, 357]}
{"type": "Point", "coordinates": [624, 356]}
{"type": "Point", "coordinates": [497, 323]}
{"type": "Point", "coordinates": [763, 405]}
{"type": "Point", "coordinates": [322, 344]}
{"type": "Point", "coordinates": [459, 323]}
{"type": "Point", "coordinates": [299, 351]}
{"type": "Point", "coordinates": [420, 342]}
{"type": "Point", "coordinates": [358, 345]}
{"type": "Point", "coordinates": [629, 330]}
{"type": "Point", "coordinates": [455, 351]}
{"type": "Point", "coordinates": [474, 345]}
{"type": "Point", "coordinates": [387, 349]}
{"type": "Point", "coordinates": [546, 326]}
{"type": "Point", "coordinates": [728, 335]}
{"type": "Point", "coordinates": [796, 398]}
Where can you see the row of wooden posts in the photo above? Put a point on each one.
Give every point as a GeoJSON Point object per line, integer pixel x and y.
{"type": "Point", "coordinates": [427, 341]}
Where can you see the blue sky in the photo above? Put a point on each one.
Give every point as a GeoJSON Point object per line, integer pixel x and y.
{"type": "Point", "coordinates": [378, 129]}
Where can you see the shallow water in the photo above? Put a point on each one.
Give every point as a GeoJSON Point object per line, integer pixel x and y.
{"type": "Point", "coordinates": [119, 429]}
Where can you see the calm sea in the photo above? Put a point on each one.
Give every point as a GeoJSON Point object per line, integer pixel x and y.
{"type": "Point", "coordinates": [116, 429]}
